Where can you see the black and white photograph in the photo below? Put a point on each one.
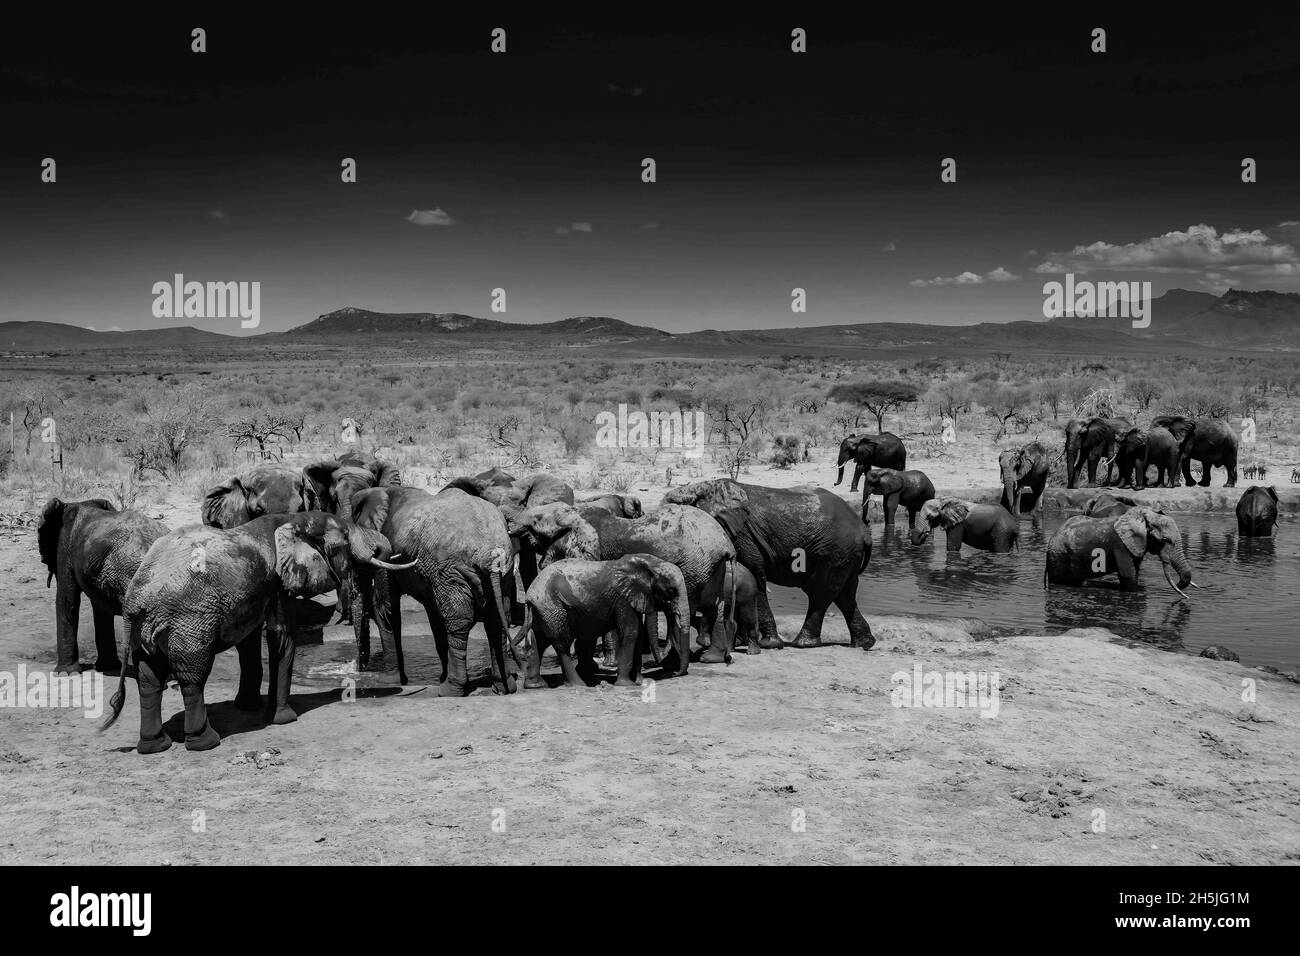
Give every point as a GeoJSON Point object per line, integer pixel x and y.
{"type": "Point", "coordinates": [782, 439]}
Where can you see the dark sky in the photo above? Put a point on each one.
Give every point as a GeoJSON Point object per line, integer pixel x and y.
{"type": "Point", "coordinates": [775, 170]}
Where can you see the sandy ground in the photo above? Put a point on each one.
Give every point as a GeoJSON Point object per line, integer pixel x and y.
{"type": "Point", "coordinates": [1100, 753]}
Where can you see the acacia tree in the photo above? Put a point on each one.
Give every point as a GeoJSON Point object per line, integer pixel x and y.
{"type": "Point", "coordinates": [878, 398]}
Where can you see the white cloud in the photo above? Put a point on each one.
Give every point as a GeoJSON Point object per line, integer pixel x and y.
{"type": "Point", "coordinates": [1001, 275]}
{"type": "Point", "coordinates": [581, 227]}
{"type": "Point", "coordinates": [219, 215]}
{"type": "Point", "coordinates": [891, 246]}
{"type": "Point", "coordinates": [430, 217]}
{"type": "Point", "coordinates": [1196, 249]}
{"type": "Point", "coordinates": [966, 278]}
{"type": "Point", "coordinates": [573, 227]}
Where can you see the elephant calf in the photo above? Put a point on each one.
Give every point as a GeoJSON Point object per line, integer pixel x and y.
{"type": "Point", "coordinates": [1257, 512]}
{"type": "Point", "coordinates": [911, 489]}
{"type": "Point", "coordinates": [577, 600]}
{"type": "Point", "coordinates": [987, 527]}
{"type": "Point", "coordinates": [1085, 548]}
{"type": "Point", "coordinates": [95, 550]}
{"type": "Point", "coordinates": [740, 597]}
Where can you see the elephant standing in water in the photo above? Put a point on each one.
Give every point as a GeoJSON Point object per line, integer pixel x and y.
{"type": "Point", "coordinates": [460, 552]}
{"type": "Point", "coordinates": [686, 537]}
{"type": "Point", "coordinates": [1210, 441]}
{"type": "Point", "coordinates": [1085, 548]}
{"type": "Point", "coordinates": [1092, 441]}
{"type": "Point", "coordinates": [200, 590]}
{"type": "Point", "coordinates": [1024, 474]}
{"type": "Point", "coordinates": [802, 537]}
{"type": "Point", "coordinates": [95, 550]}
{"type": "Point", "coordinates": [1139, 449]}
{"type": "Point", "coordinates": [1257, 512]}
{"type": "Point", "coordinates": [1108, 505]}
{"type": "Point", "coordinates": [885, 450]}
{"type": "Point", "coordinates": [911, 489]}
{"type": "Point", "coordinates": [577, 600]}
{"type": "Point", "coordinates": [986, 527]}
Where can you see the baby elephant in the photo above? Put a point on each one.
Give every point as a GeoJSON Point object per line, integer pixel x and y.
{"type": "Point", "coordinates": [1257, 512]}
{"type": "Point", "coordinates": [911, 489]}
{"type": "Point", "coordinates": [987, 527]}
{"type": "Point", "coordinates": [576, 600]}
{"type": "Point", "coordinates": [742, 617]}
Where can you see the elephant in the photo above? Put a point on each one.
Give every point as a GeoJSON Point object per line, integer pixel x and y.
{"type": "Point", "coordinates": [1024, 473]}
{"type": "Point", "coordinates": [1140, 449]}
{"type": "Point", "coordinates": [621, 506]}
{"type": "Point", "coordinates": [740, 591]}
{"type": "Point", "coordinates": [885, 450]}
{"type": "Point", "coordinates": [1084, 548]}
{"type": "Point", "coordinates": [578, 600]}
{"type": "Point", "coordinates": [334, 482]}
{"type": "Point", "coordinates": [1210, 441]}
{"type": "Point", "coordinates": [200, 590]}
{"type": "Point", "coordinates": [1108, 505]}
{"type": "Point", "coordinates": [682, 536]}
{"type": "Point", "coordinates": [265, 489]}
{"type": "Point", "coordinates": [1094, 441]}
{"type": "Point", "coordinates": [461, 552]}
{"type": "Point", "coordinates": [986, 527]}
{"type": "Point", "coordinates": [802, 537]}
{"type": "Point", "coordinates": [1257, 512]}
{"type": "Point", "coordinates": [911, 489]}
{"type": "Point", "coordinates": [95, 550]}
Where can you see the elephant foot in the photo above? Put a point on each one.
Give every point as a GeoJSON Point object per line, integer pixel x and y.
{"type": "Point", "coordinates": [283, 715]}
{"type": "Point", "coordinates": [448, 689]}
{"type": "Point", "coordinates": [153, 745]}
{"type": "Point", "coordinates": [627, 682]}
{"type": "Point", "coordinates": [866, 643]}
{"type": "Point", "coordinates": [508, 686]}
{"type": "Point", "coordinates": [771, 643]}
{"type": "Point", "coordinates": [114, 666]}
{"type": "Point", "coordinates": [533, 683]}
{"type": "Point", "coordinates": [753, 648]}
{"type": "Point", "coordinates": [1231, 484]}
{"type": "Point", "coordinates": [714, 655]}
{"type": "Point", "coordinates": [251, 702]}
{"type": "Point", "coordinates": [806, 640]}
{"type": "Point", "coordinates": [206, 739]}
{"type": "Point", "coordinates": [74, 668]}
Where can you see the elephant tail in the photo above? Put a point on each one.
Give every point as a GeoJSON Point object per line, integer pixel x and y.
{"type": "Point", "coordinates": [115, 703]}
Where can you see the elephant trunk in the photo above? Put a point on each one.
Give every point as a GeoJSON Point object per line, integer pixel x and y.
{"type": "Point", "coordinates": [679, 631]}
{"type": "Point", "coordinates": [1009, 492]}
{"type": "Point", "coordinates": [503, 641]}
{"type": "Point", "coordinates": [652, 633]}
{"type": "Point", "coordinates": [1171, 556]}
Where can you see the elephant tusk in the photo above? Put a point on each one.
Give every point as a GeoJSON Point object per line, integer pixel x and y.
{"type": "Point", "coordinates": [1195, 585]}
{"type": "Point", "coordinates": [1165, 568]}
{"type": "Point", "coordinates": [389, 566]}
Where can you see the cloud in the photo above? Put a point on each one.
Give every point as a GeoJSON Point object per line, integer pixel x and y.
{"type": "Point", "coordinates": [1196, 249]}
{"type": "Point", "coordinates": [219, 215]}
{"type": "Point", "coordinates": [966, 278]}
{"type": "Point", "coordinates": [891, 246]}
{"type": "Point", "coordinates": [573, 227]}
{"type": "Point", "coordinates": [430, 217]}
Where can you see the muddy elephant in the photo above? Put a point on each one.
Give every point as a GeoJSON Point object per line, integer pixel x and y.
{"type": "Point", "coordinates": [461, 553]}
{"type": "Point", "coordinates": [911, 489]}
{"type": "Point", "coordinates": [1084, 548]}
{"type": "Point", "coordinates": [986, 527]}
{"type": "Point", "coordinates": [683, 536]}
{"type": "Point", "coordinates": [1024, 477]}
{"type": "Point", "coordinates": [1257, 512]}
{"type": "Point", "coordinates": [574, 600]}
{"type": "Point", "coordinates": [92, 549]}
{"type": "Point", "coordinates": [1093, 442]}
{"type": "Point", "coordinates": [201, 590]}
{"type": "Point", "coordinates": [1108, 505]}
{"type": "Point", "coordinates": [740, 592]}
{"type": "Point", "coordinates": [802, 537]}
{"type": "Point", "coordinates": [621, 506]}
{"type": "Point", "coordinates": [885, 450]}
{"type": "Point", "coordinates": [266, 489]}
{"type": "Point", "coordinates": [1143, 448]}
{"type": "Point", "coordinates": [1211, 441]}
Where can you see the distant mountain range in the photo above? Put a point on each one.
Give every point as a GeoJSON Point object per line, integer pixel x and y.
{"type": "Point", "coordinates": [1180, 319]}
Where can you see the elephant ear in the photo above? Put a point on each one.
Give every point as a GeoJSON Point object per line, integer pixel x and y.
{"type": "Point", "coordinates": [302, 568]}
{"type": "Point", "coordinates": [1131, 527]}
{"type": "Point", "coordinates": [1272, 492]}
{"type": "Point", "coordinates": [370, 509]}
{"type": "Point", "coordinates": [952, 512]}
{"type": "Point", "coordinates": [321, 476]}
{"type": "Point", "coordinates": [467, 485]}
{"type": "Point", "coordinates": [733, 521]}
{"type": "Point", "coordinates": [385, 473]}
{"type": "Point", "coordinates": [47, 535]}
{"type": "Point", "coordinates": [632, 506]}
{"type": "Point", "coordinates": [635, 583]}
{"type": "Point", "coordinates": [226, 505]}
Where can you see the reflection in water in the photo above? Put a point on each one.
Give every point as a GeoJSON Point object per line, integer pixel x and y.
{"type": "Point", "coordinates": [1248, 599]}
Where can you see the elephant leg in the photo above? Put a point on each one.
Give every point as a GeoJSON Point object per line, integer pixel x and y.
{"type": "Point", "coordinates": [199, 734]}
{"type": "Point", "coordinates": [106, 661]}
{"type": "Point", "coordinates": [1205, 474]}
{"type": "Point", "coordinates": [891, 505]}
{"type": "Point", "coordinates": [720, 641]}
{"type": "Point", "coordinates": [859, 630]}
{"type": "Point", "coordinates": [67, 613]}
{"type": "Point", "coordinates": [564, 654]}
{"type": "Point", "coordinates": [280, 652]}
{"type": "Point", "coordinates": [857, 476]}
{"type": "Point", "coordinates": [629, 633]}
{"type": "Point", "coordinates": [503, 679]}
{"type": "Point", "coordinates": [457, 619]}
{"type": "Point", "coordinates": [610, 644]}
{"type": "Point", "coordinates": [250, 675]}
{"type": "Point", "coordinates": [810, 635]}
{"type": "Point", "coordinates": [540, 641]}
{"type": "Point", "coordinates": [1232, 475]}
{"type": "Point", "coordinates": [768, 638]}
{"type": "Point", "coordinates": [149, 674]}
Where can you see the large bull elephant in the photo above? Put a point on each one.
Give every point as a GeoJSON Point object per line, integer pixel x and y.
{"type": "Point", "coordinates": [885, 450]}
{"type": "Point", "coordinates": [1093, 442]}
{"type": "Point", "coordinates": [1084, 548]}
{"type": "Point", "coordinates": [1257, 512]}
{"type": "Point", "coordinates": [686, 537]}
{"type": "Point", "coordinates": [1210, 441]}
{"type": "Point", "coordinates": [1142, 448]}
{"type": "Point", "coordinates": [802, 537]}
{"type": "Point", "coordinates": [200, 590]}
{"type": "Point", "coordinates": [460, 552]}
{"type": "Point", "coordinates": [574, 600]}
{"type": "Point", "coordinates": [1024, 476]}
{"type": "Point", "coordinates": [91, 548]}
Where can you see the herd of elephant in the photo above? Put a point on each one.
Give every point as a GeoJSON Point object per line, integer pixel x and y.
{"type": "Point", "coordinates": [596, 572]}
